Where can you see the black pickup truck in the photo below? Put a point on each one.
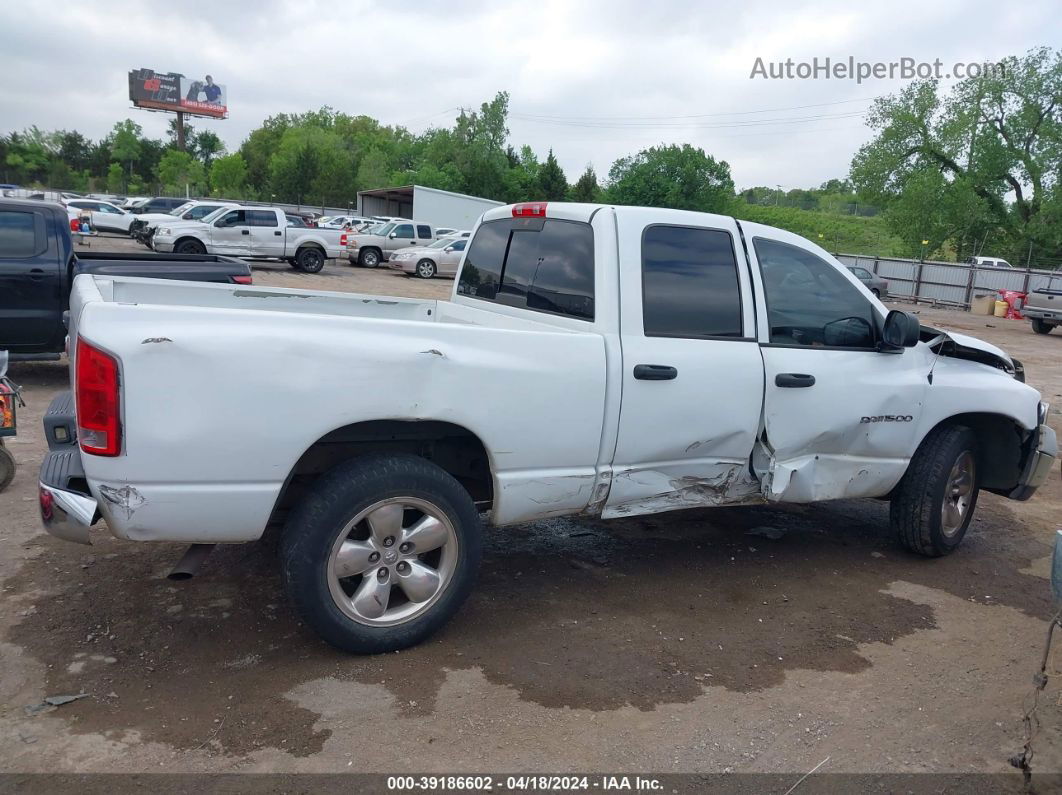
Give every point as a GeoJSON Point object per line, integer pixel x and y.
{"type": "Point", "coordinates": [38, 265]}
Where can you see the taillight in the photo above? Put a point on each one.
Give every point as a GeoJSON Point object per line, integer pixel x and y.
{"type": "Point", "coordinates": [99, 428]}
{"type": "Point", "coordinates": [75, 225]}
{"type": "Point", "coordinates": [529, 209]}
{"type": "Point", "coordinates": [241, 279]}
{"type": "Point", "coordinates": [343, 240]}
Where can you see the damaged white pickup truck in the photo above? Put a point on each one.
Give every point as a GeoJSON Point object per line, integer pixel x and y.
{"type": "Point", "coordinates": [594, 360]}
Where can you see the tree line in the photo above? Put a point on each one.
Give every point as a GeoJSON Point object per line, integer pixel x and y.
{"type": "Point", "coordinates": [950, 174]}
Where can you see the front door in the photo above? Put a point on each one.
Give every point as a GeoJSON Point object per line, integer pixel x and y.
{"type": "Point", "coordinates": [401, 237]}
{"type": "Point", "coordinates": [692, 373]}
{"type": "Point", "coordinates": [840, 418]}
{"type": "Point", "coordinates": [30, 287]}
{"type": "Point", "coordinates": [450, 258]}
{"type": "Point", "coordinates": [231, 234]}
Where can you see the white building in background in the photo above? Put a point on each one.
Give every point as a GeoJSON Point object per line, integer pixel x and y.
{"type": "Point", "coordinates": [429, 205]}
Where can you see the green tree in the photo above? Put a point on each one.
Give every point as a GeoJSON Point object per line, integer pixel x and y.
{"type": "Point", "coordinates": [208, 146]}
{"type": "Point", "coordinates": [125, 144]}
{"type": "Point", "coordinates": [552, 184]}
{"type": "Point", "coordinates": [373, 171]}
{"type": "Point", "coordinates": [179, 172]}
{"type": "Point", "coordinates": [311, 165]}
{"type": "Point", "coordinates": [586, 188]}
{"type": "Point", "coordinates": [995, 141]}
{"type": "Point", "coordinates": [228, 176]}
{"type": "Point", "coordinates": [115, 178]}
{"type": "Point", "coordinates": [682, 177]}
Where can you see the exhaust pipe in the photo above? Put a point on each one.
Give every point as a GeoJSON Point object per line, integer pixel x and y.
{"type": "Point", "coordinates": [190, 561]}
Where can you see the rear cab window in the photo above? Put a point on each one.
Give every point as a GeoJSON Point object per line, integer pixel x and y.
{"type": "Point", "coordinates": [541, 264]}
{"type": "Point", "coordinates": [21, 234]}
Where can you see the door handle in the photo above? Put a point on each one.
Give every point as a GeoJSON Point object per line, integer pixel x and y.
{"type": "Point", "coordinates": [36, 274]}
{"type": "Point", "coordinates": [277, 233]}
{"type": "Point", "coordinates": [794, 380]}
{"type": "Point", "coordinates": [654, 372]}
{"type": "Point", "coordinates": [245, 231]}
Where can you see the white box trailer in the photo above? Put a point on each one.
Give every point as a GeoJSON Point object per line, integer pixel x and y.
{"type": "Point", "coordinates": [440, 208]}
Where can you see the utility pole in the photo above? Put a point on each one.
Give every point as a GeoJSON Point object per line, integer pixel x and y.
{"type": "Point", "coordinates": [180, 130]}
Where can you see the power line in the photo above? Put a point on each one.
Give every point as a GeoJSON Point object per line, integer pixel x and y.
{"type": "Point", "coordinates": [560, 117]}
{"type": "Point", "coordinates": [687, 125]}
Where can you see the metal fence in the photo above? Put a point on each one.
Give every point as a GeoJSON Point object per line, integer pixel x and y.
{"type": "Point", "coordinates": [949, 283]}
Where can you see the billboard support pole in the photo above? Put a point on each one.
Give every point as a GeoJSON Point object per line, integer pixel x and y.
{"type": "Point", "coordinates": [180, 130]}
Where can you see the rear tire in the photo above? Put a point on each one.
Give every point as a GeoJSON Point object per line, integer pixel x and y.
{"type": "Point", "coordinates": [324, 537]}
{"type": "Point", "coordinates": [369, 258]}
{"type": "Point", "coordinates": [876, 291]}
{"type": "Point", "coordinates": [189, 247]}
{"type": "Point", "coordinates": [310, 259]}
{"type": "Point", "coordinates": [935, 501]}
{"type": "Point", "coordinates": [1041, 326]}
{"type": "Point", "coordinates": [425, 269]}
{"type": "Point", "coordinates": [7, 468]}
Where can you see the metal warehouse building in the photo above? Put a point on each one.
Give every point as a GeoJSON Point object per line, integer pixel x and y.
{"type": "Point", "coordinates": [429, 205]}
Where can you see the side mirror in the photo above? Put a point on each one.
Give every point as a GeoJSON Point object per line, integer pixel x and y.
{"type": "Point", "coordinates": [448, 249]}
{"type": "Point", "coordinates": [393, 235]}
{"type": "Point", "coordinates": [901, 331]}
{"type": "Point", "coordinates": [848, 332]}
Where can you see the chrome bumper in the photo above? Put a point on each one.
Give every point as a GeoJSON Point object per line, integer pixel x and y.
{"type": "Point", "coordinates": [1038, 465]}
{"type": "Point", "coordinates": [67, 514]}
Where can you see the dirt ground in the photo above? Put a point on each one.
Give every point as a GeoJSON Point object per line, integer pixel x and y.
{"type": "Point", "coordinates": [681, 642]}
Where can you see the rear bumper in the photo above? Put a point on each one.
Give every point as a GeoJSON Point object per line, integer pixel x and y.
{"type": "Point", "coordinates": [1050, 315]}
{"type": "Point", "coordinates": [1038, 465]}
{"type": "Point", "coordinates": [67, 509]}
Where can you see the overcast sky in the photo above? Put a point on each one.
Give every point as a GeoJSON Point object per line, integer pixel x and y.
{"type": "Point", "coordinates": [594, 80]}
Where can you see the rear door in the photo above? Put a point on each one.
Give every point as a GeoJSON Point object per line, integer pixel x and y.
{"type": "Point", "coordinates": [424, 234]}
{"type": "Point", "coordinates": [231, 234]}
{"type": "Point", "coordinates": [840, 417]}
{"type": "Point", "coordinates": [692, 371]}
{"type": "Point", "coordinates": [30, 287]}
{"type": "Point", "coordinates": [267, 236]}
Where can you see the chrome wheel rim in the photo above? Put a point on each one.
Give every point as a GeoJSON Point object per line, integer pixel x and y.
{"type": "Point", "coordinates": [958, 493]}
{"type": "Point", "coordinates": [392, 561]}
{"type": "Point", "coordinates": [425, 270]}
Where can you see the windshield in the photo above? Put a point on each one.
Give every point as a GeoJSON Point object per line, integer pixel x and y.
{"type": "Point", "coordinates": [442, 243]}
{"type": "Point", "coordinates": [182, 209]}
{"type": "Point", "coordinates": [385, 229]}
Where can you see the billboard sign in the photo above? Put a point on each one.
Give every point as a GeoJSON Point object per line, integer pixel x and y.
{"type": "Point", "coordinates": [171, 91]}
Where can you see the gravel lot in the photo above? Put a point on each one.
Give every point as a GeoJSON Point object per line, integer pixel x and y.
{"type": "Point", "coordinates": [669, 643]}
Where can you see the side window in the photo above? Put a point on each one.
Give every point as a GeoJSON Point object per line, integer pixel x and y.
{"type": "Point", "coordinates": [404, 231]}
{"type": "Point", "coordinates": [423, 231]}
{"type": "Point", "coordinates": [862, 273]}
{"type": "Point", "coordinates": [533, 263]}
{"type": "Point", "coordinates": [199, 212]}
{"type": "Point", "coordinates": [233, 218]}
{"type": "Point", "coordinates": [458, 245]}
{"type": "Point", "coordinates": [20, 234]}
{"type": "Point", "coordinates": [809, 302]}
{"type": "Point", "coordinates": [110, 210]}
{"type": "Point", "coordinates": [690, 283]}
{"type": "Point", "coordinates": [261, 218]}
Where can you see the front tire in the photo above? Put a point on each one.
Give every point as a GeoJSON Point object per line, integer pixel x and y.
{"type": "Point", "coordinates": [935, 501]}
{"type": "Point", "coordinates": [876, 291]}
{"type": "Point", "coordinates": [1041, 326]}
{"type": "Point", "coordinates": [425, 269]}
{"type": "Point", "coordinates": [381, 553]}
{"type": "Point", "coordinates": [190, 247]}
{"type": "Point", "coordinates": [369, 258]}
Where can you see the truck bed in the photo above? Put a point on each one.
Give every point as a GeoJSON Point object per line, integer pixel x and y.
{"type": "Point", "coordinates": [195, 267]}
{"type": "Point", "coordinates": [257, 375]}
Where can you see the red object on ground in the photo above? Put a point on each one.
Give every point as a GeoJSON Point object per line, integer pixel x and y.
{"type": "Point", "coordinates": [1015, 300]}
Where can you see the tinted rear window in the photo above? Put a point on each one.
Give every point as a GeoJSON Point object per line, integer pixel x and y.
{"type": "Point", "coordinates": [542, 264]}
{"type": "Point", "coordinates": [261, 218]}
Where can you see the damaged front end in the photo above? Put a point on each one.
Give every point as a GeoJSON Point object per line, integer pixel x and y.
{"type": "Point", "coordinates": [962, 346]}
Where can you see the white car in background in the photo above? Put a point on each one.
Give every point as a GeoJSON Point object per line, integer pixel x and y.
{"type": "Point", "coordinates": [106, 217]}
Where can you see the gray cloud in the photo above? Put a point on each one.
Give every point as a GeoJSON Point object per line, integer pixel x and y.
{"type": "Point", "coordinates": [583, 65]}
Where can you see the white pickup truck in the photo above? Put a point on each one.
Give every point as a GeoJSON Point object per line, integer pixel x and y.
{"type": "Point", "coordinates": [593, 360]}
{"type": "Point", "coordinates": [254, 233]}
